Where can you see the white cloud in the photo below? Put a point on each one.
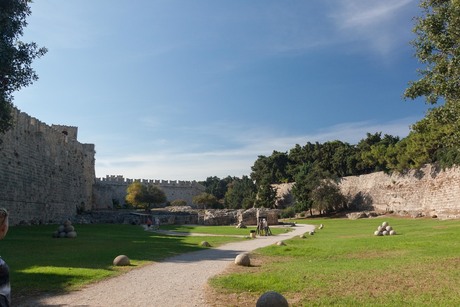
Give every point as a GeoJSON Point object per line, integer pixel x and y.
{"type": "Point", "coordinates": [179, 164]}
{"type": "Point", "coordinates": [379, 23]}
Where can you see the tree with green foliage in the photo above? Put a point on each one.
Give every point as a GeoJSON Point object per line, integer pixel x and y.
{"type": "Point", "coordinates": [326, 197]}
{"type": "Point", "coordinates": [206, 201]}
{"type": "Point", "coordinates": [144, 196]}
{"type": "Point", "coordinates": [179, 202]}
{"type": "Point", "coordinates": [15, 56]}
{"type": "Point", "coordinates": [308, 178]}
{"type": "Point", "coordinates": [273, 169]}
{"type": "Point", "coordinates": [437, 46]}
{"type": "Point", "coordinates": [266, 195]}
{"type": "Point", "coordinates": [216, 186]}
{"type": "Point", "coordinates": [241, 194]}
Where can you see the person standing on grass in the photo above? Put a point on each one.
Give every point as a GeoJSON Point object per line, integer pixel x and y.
{"type": "Point", "coordinates": [5, 288]}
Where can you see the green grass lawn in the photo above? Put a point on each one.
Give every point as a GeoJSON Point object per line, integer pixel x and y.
{"type": "Point", "coordinates": [344, 264]}
{"type": "Point", "coordinates": [220, 230]}
{"type": "Point", "coordinates": [39, 263]}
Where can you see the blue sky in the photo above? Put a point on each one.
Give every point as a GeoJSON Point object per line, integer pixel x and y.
{"type": "Point", "coordinates": [187, 89]}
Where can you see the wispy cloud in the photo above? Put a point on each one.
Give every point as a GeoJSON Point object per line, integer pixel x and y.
{"type": "Point", "coordinates": [373, 22]}
{"type": "Point", "coordinates": [176, 164]}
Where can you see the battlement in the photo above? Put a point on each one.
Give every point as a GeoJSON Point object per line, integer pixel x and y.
{"type": "Point", "coordinates": [120, 180]}
{"type": "Point", "coordinates": [70, 131]}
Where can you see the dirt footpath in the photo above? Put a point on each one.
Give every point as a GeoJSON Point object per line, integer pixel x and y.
{"type": "Point", "coordinates": [176, 281]}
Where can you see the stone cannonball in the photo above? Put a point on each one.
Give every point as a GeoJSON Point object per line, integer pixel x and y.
{"type": "Point", "coordinates": [384, 224]}
{"type": "Point", "coordinates": [272, 299]}
{"type": "Point", "coordinates": [389, 228]}
{"type": "Point", "coordinates": [72, 234]}
{"type": "Point", "coordinates": [205, 244]}
{"type": "Point", "coordinates": [392, 233]}
{"type": "Point", "coordinates": [243, 259]}
{"type": "Point", "coordinates": [121, 260]}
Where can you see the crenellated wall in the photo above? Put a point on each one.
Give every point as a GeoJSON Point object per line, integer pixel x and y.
{"type": "Point", "coordinates": [113, 188]}
{"type": "Point", "coordinates": [45, 173]}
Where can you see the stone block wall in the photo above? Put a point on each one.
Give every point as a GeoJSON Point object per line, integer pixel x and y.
{"type": "Point", "coordinates": [111, 188]}
{"type": "Point", "coordinates": [425, 192]}
{"type": "Point", "coordinates": [45, 173]}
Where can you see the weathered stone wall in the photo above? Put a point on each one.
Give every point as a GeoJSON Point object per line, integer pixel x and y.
{"type": "Point", "coordinates": [113, 188]}
{"type": "Point", "coordinates": [45, 173]}
{"type": "Point", "coordinates": [179, 216]}
{"type": "Point", "coordinates": [425, 192]}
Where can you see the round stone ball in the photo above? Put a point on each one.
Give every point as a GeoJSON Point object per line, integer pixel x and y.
{"type": "Point", "coordinates": [205, 244]}
{"type": "Point", "coordinates": [243, 259]}
{"type": "Point", "coordinates": [121, 260]}
{"type": "Point", "coordinates": [389, 228]}
{"type": "Point", "coordinates": [67, 223]}
{"type": "Point", "coordinates": [312, 233]}
{"type": "Point", "coordinates": [379, 228]}
{"type": "Point", "coordinates": [72, 234]}
{"type": "Point", "coordinates": [377, 233]}
{"type": "Point", "coordinates": [272, 299]}
{"type": "Point", "coordinates": [69, 228]}
{"type": "Point", "coordinates": [384, 224]}
{"type": "Point", "coordinates": [392, 233]}
{"type": "Point", "coordinates": [280, 243]}
{"type": "Point", "coordinates": [385, 233]}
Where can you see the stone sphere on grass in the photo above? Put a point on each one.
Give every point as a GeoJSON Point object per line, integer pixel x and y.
{"type": "Point", "coordinates": [72, 235]}
{"type": "Point", "coordinates": [205, 244]}
{"type": "Point", "coordinates": [121, 260]}
{"type": "Point", "coordinates": [243, 259]}
{"type": "Point", "coordinates": [272, 299]}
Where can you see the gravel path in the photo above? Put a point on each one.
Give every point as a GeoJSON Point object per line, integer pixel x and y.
{"type": "Point", "coordinates": [176, 281]}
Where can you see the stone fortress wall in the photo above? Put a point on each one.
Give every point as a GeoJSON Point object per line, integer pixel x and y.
{"type": "Point", "coordinates": [47, 176]}
{"type": "Point", "coordinates": [112, 189]}
{"type": "Point", "coordinates": [45, 173]}
{"type": "Point", "coordinates": [428, 191]}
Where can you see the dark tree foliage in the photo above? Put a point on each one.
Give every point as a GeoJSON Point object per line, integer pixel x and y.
{"type": "Point", "coordinates": [145, 196]}
{"type": "Point", "coordinates": [216, 186]}
{"type": "Point", "coordinates": [241, 194]}
{"type": "Point", "coordinates": [266, 196]}
{"type": "Point", "coordinates": [326, 197]}
{"type": "Point", "coordinates": [206, 201]}
{"type": "Point", "coordinates": [273, 168]}
{"type": "Point", "coordinates": [437, 46]}
{"type": "Point", "coordinates": [15, 56]}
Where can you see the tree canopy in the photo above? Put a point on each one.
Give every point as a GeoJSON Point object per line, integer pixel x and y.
{"type": "Point", "coordinates": [437, 46]}
{"type": "Point", "coordinates": [144, 196]}
{"type": "Point", "coordinates": [15, 56]}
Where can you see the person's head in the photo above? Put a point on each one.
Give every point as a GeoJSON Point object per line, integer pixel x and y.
{"type": "Point", "coordinates": [3, 222]}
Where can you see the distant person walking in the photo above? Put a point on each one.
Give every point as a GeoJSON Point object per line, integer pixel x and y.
{"type": "Point", "coordinates": [5, 288]}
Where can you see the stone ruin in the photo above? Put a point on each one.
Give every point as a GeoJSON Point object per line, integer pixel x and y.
{"type": "Point", "coordinates": [65, 230]}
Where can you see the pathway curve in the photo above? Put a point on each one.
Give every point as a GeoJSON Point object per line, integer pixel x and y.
{"type": "Point", "coordinates": [176, 281]}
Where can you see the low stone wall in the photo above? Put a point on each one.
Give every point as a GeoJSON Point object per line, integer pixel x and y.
{"type": "Point", "coordinates": [211, 217]}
